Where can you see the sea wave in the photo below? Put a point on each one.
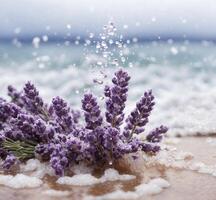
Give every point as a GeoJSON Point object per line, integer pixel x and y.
{"type": "Point", "coordinates": [185, 96]}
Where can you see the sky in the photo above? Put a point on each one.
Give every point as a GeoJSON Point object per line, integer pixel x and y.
{"type": "Point", "coordinates": [143, 18]}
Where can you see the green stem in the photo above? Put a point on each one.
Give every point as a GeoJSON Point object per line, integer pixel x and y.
{"type": "Point", "coordinates": [21, 149]}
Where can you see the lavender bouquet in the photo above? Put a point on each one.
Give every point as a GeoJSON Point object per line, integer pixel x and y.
{"type": "Point", "coordinates": [52, 132]}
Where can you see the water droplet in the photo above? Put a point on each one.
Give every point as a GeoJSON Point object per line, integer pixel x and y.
{"type": "Point", "coordinates": [98, 46]}
{"type": "Point", "coordinates": [130, 65]}
{"type": "Point", "coordinates": [102, 98]}
{"type": "Point", "coordinates": [105, 54]}
{"type": "Point", "coordinates": [98, 81]}
{"type": "Point", "coordinates": [45, 38]}
{"type": "Point", "coordinates": [88, 42]}
{"type": "Point", "coordinates": [111, 41]}
{"type": "Point", "coordinates": [68, 26]}
{"type": "Point", "coordinates": [36, 42]}
{"type": "Point", "coordinates": [41, 66]}
{"type": "Point", "coordinates": [103, 37]}
{"type": "Point", "coordinates": [174, 50]}
{"type": "Point", "coordinates": [153, 19]}
{"type": "Point", "coordinates": [17, 30]}
{"type": "Point", "coordinates": [76, 42]}
{"type": "Point", "coordinates": [104, 75]}
{"type": "Point", "coordinates": [123, 59]}
{"type": "Point", "coordinates": [91, 35]}
{"type": "Point", "coordinates": [99, 63]}
{"type": "Point", "coordinates": [103, 44]}
{"type": "Point", "coordinates": [135, 40]}
{"type": "Point", "coordinates": [115, 62]}
{"type": "Point", "coordinates": [125, 26]}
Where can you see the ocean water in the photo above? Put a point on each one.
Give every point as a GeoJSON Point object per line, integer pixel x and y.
{"type": "Point", "coordinates": [181, 75]}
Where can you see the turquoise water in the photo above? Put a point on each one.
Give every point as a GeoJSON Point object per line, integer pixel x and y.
{"type": "Point", "coordinates": [181, 74]}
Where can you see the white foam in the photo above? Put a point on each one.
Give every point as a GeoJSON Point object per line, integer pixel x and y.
{"type": "Point", "coordinates": [88, 179]}
{"type": "Point", "coordinates": [56, 193]}
{"type": "Point", "coordinates": [172, 140]}
{"type": "Point", "coordinates": [185, 98]}
{"type": "Point", "coordinates": [20, 181]}
{"type": "Point", "coordinates": [170, 157]}
{"type": "Point", "coordinates": [37, 168]}
{"type": "Point", "coordinates": [201, 167]}
{"type": "Point", "coordinates": [81, 169]}
{"type": "Point", "coordinates": [154, 186]}
{"type": "Point", "coordinates": [211, 141]}
{"type": "Point", "coordinates": [80, 180]}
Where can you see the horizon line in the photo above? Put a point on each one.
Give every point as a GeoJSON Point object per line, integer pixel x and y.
{"type": "Point", "coordinates": [83, 38]}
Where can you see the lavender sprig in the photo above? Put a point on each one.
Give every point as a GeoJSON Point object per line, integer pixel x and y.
{"type": "Point", "coordinates": [33, 102]}
{"type": "Point", "coordinates": [16, 97]}
{"type": "Point", "coordinates": [63, 114]}
{"type": "Point", "coordinates": [30, 128]}
{"type": "Point", "coordinates": [139, 117]}
{"type": "Point", "coordinates": [117, 96]}
{"type": "Point", "coordinates": [92, 112]}
{"type": "Point", "coordinates": [59, 160]}
{"type": "Point", "coordinates": [9, 161]}
{"type": "Point", "coordinates": [156, 135]}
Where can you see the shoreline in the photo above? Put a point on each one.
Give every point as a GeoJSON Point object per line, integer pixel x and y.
{"type": "Point", "coordinates": [184, 184]}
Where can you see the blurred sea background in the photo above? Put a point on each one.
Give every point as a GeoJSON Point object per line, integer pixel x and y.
{"type": "Point", "coordinates": [168, 47]}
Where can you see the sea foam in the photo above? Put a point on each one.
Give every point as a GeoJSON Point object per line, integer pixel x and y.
{"type": "Point", "coordinates": [185, 93]}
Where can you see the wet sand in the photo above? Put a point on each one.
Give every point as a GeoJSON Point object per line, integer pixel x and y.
{"type": "Point", "coordinates": [185, 184]}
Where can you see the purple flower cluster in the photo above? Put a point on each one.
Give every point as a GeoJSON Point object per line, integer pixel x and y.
{"type": "Point", "coordinates": [52, 132]}
{"type": "Point", "coordinates": [92, 112]}
{"type": "Point", "coordinates": [116, 98]}
{"type": "Point", "coordinates": [139, 116]}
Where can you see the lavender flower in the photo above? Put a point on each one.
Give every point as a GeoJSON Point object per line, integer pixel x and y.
{"type": "Point", "coordinates": [45, 150]}
{"type": "Point", "coordinates": [64, 116]}
{"type": "Point", "coordinates": [76, 115]}
{"type": "Point", "coordinates": [92, 112]}
{"type": "Point", "coordinates": [9, 161]}
{"type": "Point", "coordinates": [59, 160]}
{"type": "Point", "coordinates": [117, 96]}
{"type": "Point", "coordinates": [30, 128]}
{"type": "Point", "coordinates": [139, 117]}
{"type": "Point", "coordinates": [33, 102]}
{"type": "Point", "coordinates": [156, 135]}
{"type": "Point", "coordinates": [111, 138]}
{"type": "Point", "coordinates": [149, 148]}
{"type": "Point", "coordinates": [7, 111]}
{"type": "Point", "coordinates": [16, 97]}
{"type": "Point", "coordinates": [3, 111]}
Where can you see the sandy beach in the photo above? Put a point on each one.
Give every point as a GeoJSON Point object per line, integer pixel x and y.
{"type": "Point", "coordinates": [184, 183]}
